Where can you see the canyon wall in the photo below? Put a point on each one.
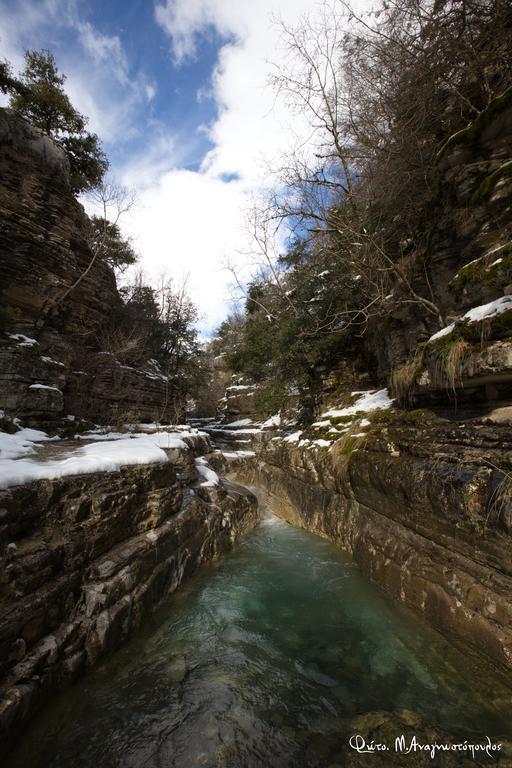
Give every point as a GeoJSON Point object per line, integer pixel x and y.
{"type": "Point", "coordinates": [52, 360]}
{"type": "Point", "coordinates": [419, 504]}
{"type": "Point", "coordinates": [86, 556]}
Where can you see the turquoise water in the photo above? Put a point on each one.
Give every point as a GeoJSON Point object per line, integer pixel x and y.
{"type": "Point", "coordinates": [264, 659]}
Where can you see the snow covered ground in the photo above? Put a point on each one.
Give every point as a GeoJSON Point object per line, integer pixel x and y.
{"type": "Point", "coordinates": [369, 401]}
{"type": "Point", "coordinates": [107, 456]}
{"type": "Point", "coordinates": [23, 457]}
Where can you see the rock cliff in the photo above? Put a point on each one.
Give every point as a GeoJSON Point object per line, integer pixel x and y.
{"type": "Point", "coordinates": [86, 556]}
{"type": "Point", "coordinates": [49, 362]}
{"type": "Point", "coordinates": [421, 496]}
{"type": "Point", "coordinates": [467, 262]}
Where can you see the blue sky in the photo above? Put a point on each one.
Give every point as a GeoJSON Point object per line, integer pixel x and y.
{"type": "Point", "coordinates": [177, 91]}
{"type": "Point", "coordinates": [181, 98]}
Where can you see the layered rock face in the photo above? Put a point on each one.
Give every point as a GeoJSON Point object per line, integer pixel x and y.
{"type": "Point", "coordinates": [86, 556]}
{"type": "Point", "coordinates": [422, 508]}
{"type": "Point", "coordinates": [467, 253]}
{"type": "Point", "coordinates": [47, 347]}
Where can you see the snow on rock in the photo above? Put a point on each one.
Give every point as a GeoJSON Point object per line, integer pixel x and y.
{"type": "Point", "coordinates": [50, 360]}
{"type": "Point", "coordinates": [273, 421]}
{"type": "Point", "coordinates": [324, 423]}
{"type": "Point", "coordinates": [477, 314]}
{"type": "Point", "coordinates": [21, 443]}
{"type": "Point", "coordinates": [293, 438]}
{"type": "Point", "coordinates": [96, 457]}
{"type": "Point", "coordinates": [44, 386]}
{"type": "Point", "coordinates": [240, 423]}
{"type": "Point", "coordinates": [322, 443]}
{"type": "Point", "coordinates": [492, 309]}
{"type": "Point", "coordinates": [238, 454]}
{"type": "Point", "coordinates": [443, 332]}
{"type": "Point", "coordinates": [160, 439]}
{"type": "Point", "coordinates": [211, 478]}
{"type": "Point", "coordinates": [23, 341]}
{"type": "Point", "coordinates": [369, 401]}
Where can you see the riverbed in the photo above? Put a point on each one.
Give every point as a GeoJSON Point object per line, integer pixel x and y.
{"type": "Point", "coordinates": [273, 656]}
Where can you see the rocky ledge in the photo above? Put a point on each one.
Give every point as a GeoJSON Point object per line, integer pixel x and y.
{"type": "Point", "coordinates": [423, 503]}
{"type": "Point", "coordinates": [86, 555]}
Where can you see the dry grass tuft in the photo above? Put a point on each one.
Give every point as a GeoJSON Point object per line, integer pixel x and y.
{"type": "Point", "coordinates": [403, 379]}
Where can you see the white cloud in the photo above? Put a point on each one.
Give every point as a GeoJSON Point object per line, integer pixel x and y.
{"type": "Point", "coordinates": [194, 221]}
{"type": "Point", "coordinates": [185, 224]}
{"type": "Point", "coordinates": [94, 79]}
{"type": "Point", "coordinates": [104, 50]}
{"type": "Point", "coordinates": [188, 221]}
{"type": "Point", "coordinates": [150, 90]}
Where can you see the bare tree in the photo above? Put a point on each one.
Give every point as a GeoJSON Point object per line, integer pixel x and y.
{"type": "Point", "coordinates": [380, 93]}
{"type": "Point", "coordinates": [114, 202]}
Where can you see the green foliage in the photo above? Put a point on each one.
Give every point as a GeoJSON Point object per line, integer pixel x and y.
{"type": "Point", "coordinates": [8, 83]}
{"type": "Point", "coordinates": [292, 332]}
{"type": "Point", "coordinates": [112, 247]}
{"type": "Point", "coordinates": [39, 96]}
{"type": "Point", "coordinates": [88, 162]}
{"type": "Point", "coordinates": [272, 398]}
{"type": "Point", "coordinates": [160, 324]}
{"type": "Point", "coordinates": [44, 102]}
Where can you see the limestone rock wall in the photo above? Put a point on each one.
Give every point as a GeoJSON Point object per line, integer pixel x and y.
{"type": "Point", "coordinates": [93, 554]}
{"type": "Point", "coordinates": [467, 248]}
{"type": "Point", "coordinates": [47, 346]}
{"type": "Point", "coordinates": [422, 509]}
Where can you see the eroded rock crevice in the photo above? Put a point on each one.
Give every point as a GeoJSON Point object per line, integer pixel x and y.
{"type": "Point", "coordinates": [93, 554]}
{"type": "Point", "coordinates": [420, 508]}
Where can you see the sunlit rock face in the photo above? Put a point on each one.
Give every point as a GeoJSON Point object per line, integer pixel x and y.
{"type": "Point", "coordinates": [421, 508]}
{"type": "Point", "coordinates": [85, 557]}
{"type": "Point", "coordinates": [44, 343]}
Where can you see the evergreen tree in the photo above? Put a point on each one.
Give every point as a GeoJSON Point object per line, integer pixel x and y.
{"type": "Point", "coordinates": [39, 96]}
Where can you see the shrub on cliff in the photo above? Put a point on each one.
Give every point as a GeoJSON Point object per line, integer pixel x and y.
{"type": "Point", "coordinates": [39, 96]}
{"type": "Point", "coordinates": [113, 247]}
{"type": "Point", "coordinates": [380, 95]}
{"type": "Point", "coordinates": [159, 323]}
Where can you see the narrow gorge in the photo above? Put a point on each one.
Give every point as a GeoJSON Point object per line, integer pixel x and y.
{"type": "Point", "coordinates": [288, 545]}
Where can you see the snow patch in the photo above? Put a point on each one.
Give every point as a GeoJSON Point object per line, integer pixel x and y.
{"type": "Point", "coordinates": [477, 314]}
{"type": "Point", "coordinates": [293, 438]}
{"type": "Point", "coordinates": [160, 439]}
{"type": "Point", "coordinates": [273, 421]}
{"type": "Point", "coordinates": [211, 478]}
{"type": "Point", "coordinates": [97, 457]}
{"type": "Point", "coordinates": [369, 401]}
{"type": "Point", "coordinates": [238, 454]}
{"type": "Point", "coordinates": [23, 341]}
{"type": "Point", "coordinates": [21, 443]}
{"type": "Point", "coordinates": [51, 361]}
{"type": "Point", "coordinates": [240, 423]}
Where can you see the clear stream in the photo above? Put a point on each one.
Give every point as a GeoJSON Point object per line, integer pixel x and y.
{"type": "Point", "coordinates": [271, 657]}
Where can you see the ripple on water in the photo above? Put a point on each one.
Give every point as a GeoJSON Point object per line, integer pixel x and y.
{"type": "Point", "coordinates": [270, 658]}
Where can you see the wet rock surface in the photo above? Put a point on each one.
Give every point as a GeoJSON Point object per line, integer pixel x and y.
{"type": "Point", "coordinates": [423, 508]}
{"type": "Point", "coordinates": [86, 556]}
